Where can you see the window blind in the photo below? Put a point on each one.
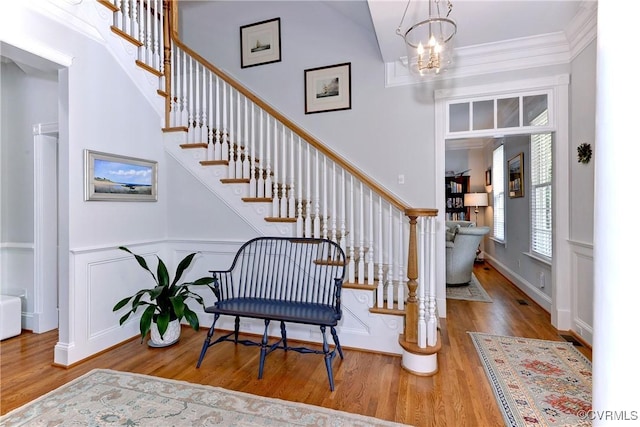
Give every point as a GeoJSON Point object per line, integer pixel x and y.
{"type": "Point", "coordinates": [541, 194]}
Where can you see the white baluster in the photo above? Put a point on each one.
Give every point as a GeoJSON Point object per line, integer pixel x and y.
{"type": "Point", "coordinates": [175, 88]}
{"type": "Point", "coordinates": [361, 274]}
{"type": "Point", "coordinates": [299, 219]}
{"type": "Point", "coordinates": [240, 140]}
{"type": "Point", "coordinates": [155, 62]}
{"type": "Point", "coordinates": [291, 203]}
{"type": "Point", "coordinates": [148, 54]}
{"type": "Point", "coordinates": [380, 239]}
{"type": "Point", "coordinates": [268, 181]}
{"type": "Point", "coordinates": [210, 136]}
{"type": "Point", "coordinates": [352, 250]}
{"type": "Point", "coordinates": [252, 169]}
{"type": "Point", "coordinates": [191, 130]}
{"type": "Point", "coordinates": [126, 23]}
{"type": "Point", "coordinates": [233, 138]}
{"type": "Point", "coordinates": [224, 148]}
{"type": "Point", "coordinates": [343, 214]}
{"type": "Point", "coordinates": [316, 219]}
{"type": "Point", "coordinates": [389, 246]}
{"type": "Point", "coordinates": [281, 195]}
{"type": "Point", "coordinates": [140, 31]}
{"type": "Point", "coordinates": [260, 170]}
{"type": "Point", "coordinates": [161, 38]}
{"type": "Point", "coordinates": [370, 258]}
{"type": "Point", "coordinates": [197, 123]}
{"type": "Point", "coordinates": [422, 324]}
{"type": "Point", "coordinates": [248, 154]}
{"type": "Point", "coordinates": [334, 207]}
{"type": "Point", "coordinates": [134, 20]}
{"type": "Point", "coordinates": [308, 219]}
{"type": "Point", "coordinates": [432, 326]}
{"type": "Point", "coordinates": [325, 203]}
{"type": "Point", "coordinates": [118, 15]}
{"type": "Point", "coordinates": [204, 129]}
{"type": "Point", "coordinates": [271, 183]}
{"type": "Point", "coordinates": [184, 116]}
{"type": "Point", "coordinates": [401, 262]}
{"type": "Point", "coordinates": [216, 142]}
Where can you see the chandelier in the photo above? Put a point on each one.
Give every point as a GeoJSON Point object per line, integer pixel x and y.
{"type": "Point", "coordinates": [428, 42]}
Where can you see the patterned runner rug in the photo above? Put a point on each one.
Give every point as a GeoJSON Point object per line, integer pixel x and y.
{"type": "Point", "coordinates": [471, 292]}
{"type": "Point", "coordinates": [537, 382]}
{"type": "Point", "coordinates": [104, 397]}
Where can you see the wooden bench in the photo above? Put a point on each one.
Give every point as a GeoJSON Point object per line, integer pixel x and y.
{"type": "Point", "coordinates": [296, 280]}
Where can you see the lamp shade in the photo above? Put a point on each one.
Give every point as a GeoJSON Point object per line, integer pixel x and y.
{"type": "Point", "coordinates": [476, 199]}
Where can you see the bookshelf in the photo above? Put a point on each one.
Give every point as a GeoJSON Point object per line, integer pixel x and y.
{"type": "Point", "coordinates": [455, 210]}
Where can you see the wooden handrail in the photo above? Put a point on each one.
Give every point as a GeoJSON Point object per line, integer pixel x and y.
{"type": "Point", "coordinates": [175, 39]}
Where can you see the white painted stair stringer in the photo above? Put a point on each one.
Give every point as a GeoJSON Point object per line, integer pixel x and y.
{"type": "Point", "coordinates": [231, 194]}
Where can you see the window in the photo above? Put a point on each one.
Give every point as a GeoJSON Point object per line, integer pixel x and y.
{"type": "Point", "coordinates": [498, 193]}
{"type": "Point", "coordinates": [541, 209]}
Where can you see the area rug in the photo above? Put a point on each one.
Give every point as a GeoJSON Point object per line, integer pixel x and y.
{"type": "Point", "coordinates": [471, 292]}
{"type": "Point", "coordinates": [111, 398]}
{"type": "Point", "coordinates": [537, 382]}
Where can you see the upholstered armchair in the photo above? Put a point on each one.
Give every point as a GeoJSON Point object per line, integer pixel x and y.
{"type": "Point", "coordinates": [461, 245]}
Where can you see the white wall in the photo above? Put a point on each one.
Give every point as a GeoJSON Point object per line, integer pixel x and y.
{"type": "Point", "coordinates": [27, 98]}
{"type": "Point", "coordinates": [388, 131]}
{"type": "Point", "coordinates": [583, 106]}
{"type": "Point", "coordinates": [100, 108]}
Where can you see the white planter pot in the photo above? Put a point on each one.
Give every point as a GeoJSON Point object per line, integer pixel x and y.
{"type": "Point", "coordinates": [171, 336]}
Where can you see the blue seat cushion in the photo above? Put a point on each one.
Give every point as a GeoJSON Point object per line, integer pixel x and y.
{"type": "Point", "coordinates": [288, 311]}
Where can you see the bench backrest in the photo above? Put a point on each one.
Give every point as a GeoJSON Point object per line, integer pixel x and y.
{"type": "Point", "coordinates": [286, 269]}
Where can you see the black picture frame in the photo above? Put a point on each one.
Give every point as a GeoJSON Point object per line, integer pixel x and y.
{"type": "Point", "coordinates": [260, 43]}
{"type": "Point", "coordinates": [327, 88]}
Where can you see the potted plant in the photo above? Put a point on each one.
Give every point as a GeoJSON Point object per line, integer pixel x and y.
{"type": "Point", "coordinates": [165, 305]}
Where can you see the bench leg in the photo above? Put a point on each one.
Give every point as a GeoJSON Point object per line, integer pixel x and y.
{"type": "Point", "coordinates": [283, 334]}
{"type": "Point", "coordinates": [337, 341]}
{"type": "Point", "coordinates": [207, 340]}
{"type": "Point", "coordinates": [236, 330]}
{"type": "Point", "coordinates": [263, 348]}
{"type": "Point", "coordinates": [328, 356]}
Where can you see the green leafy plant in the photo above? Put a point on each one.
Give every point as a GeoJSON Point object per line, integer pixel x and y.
{"type": "Point", "coordinates": [166, 300]}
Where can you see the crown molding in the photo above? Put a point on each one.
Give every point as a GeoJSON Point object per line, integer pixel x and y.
{"type": "Point", "coordinates": [517, 54]}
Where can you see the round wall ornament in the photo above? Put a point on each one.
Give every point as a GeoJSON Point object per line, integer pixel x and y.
{"type": "Point", "coordinates": [584, 153]}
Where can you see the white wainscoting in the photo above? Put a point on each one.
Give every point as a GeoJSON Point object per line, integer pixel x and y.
{"type": "Point", "coordinates": [582, 289]}
{"type": "Point", "coordinates": [100, 277]}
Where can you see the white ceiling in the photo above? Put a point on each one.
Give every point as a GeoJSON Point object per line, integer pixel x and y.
{"type": "Point", "coordinates": [479, 22]}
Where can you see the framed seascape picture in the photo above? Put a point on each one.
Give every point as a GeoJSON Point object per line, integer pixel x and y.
{"type": "Point", "coordinates": [515, 166]}
{"type": "Point", "coordinates": [119, 178]}
{"type": "Point", "coordinates": [327, 88]}
{"type": "Point", "coordinates": [260, 43]}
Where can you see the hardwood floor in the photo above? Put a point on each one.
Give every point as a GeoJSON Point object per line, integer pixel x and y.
{"type": "Point", "coordinates": [365, 383]}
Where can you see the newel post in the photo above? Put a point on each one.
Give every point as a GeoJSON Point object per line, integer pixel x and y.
{"type": "Point", "coordinates": [411, 316]}
{"type": "Point", "coordinates": [418, 357]}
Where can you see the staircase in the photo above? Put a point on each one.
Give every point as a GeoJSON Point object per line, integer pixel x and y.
{"type": "Point", "coordinates": [284, 182]}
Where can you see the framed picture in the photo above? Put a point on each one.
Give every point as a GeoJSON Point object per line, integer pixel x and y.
{"type": "Point", "coordinates": [327, 88]}
{"type": "Point", "coordinates": [487, 177]}
{"type": "Point", "coordinates": [119, 178]}
{"type": "Point", "coordinates": [515, 165]}
{"type": "Point", "coordinates": [260, 43]}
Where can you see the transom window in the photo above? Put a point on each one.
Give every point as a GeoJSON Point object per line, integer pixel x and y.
{"type": "Point", "coordinates": [508, 113]}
